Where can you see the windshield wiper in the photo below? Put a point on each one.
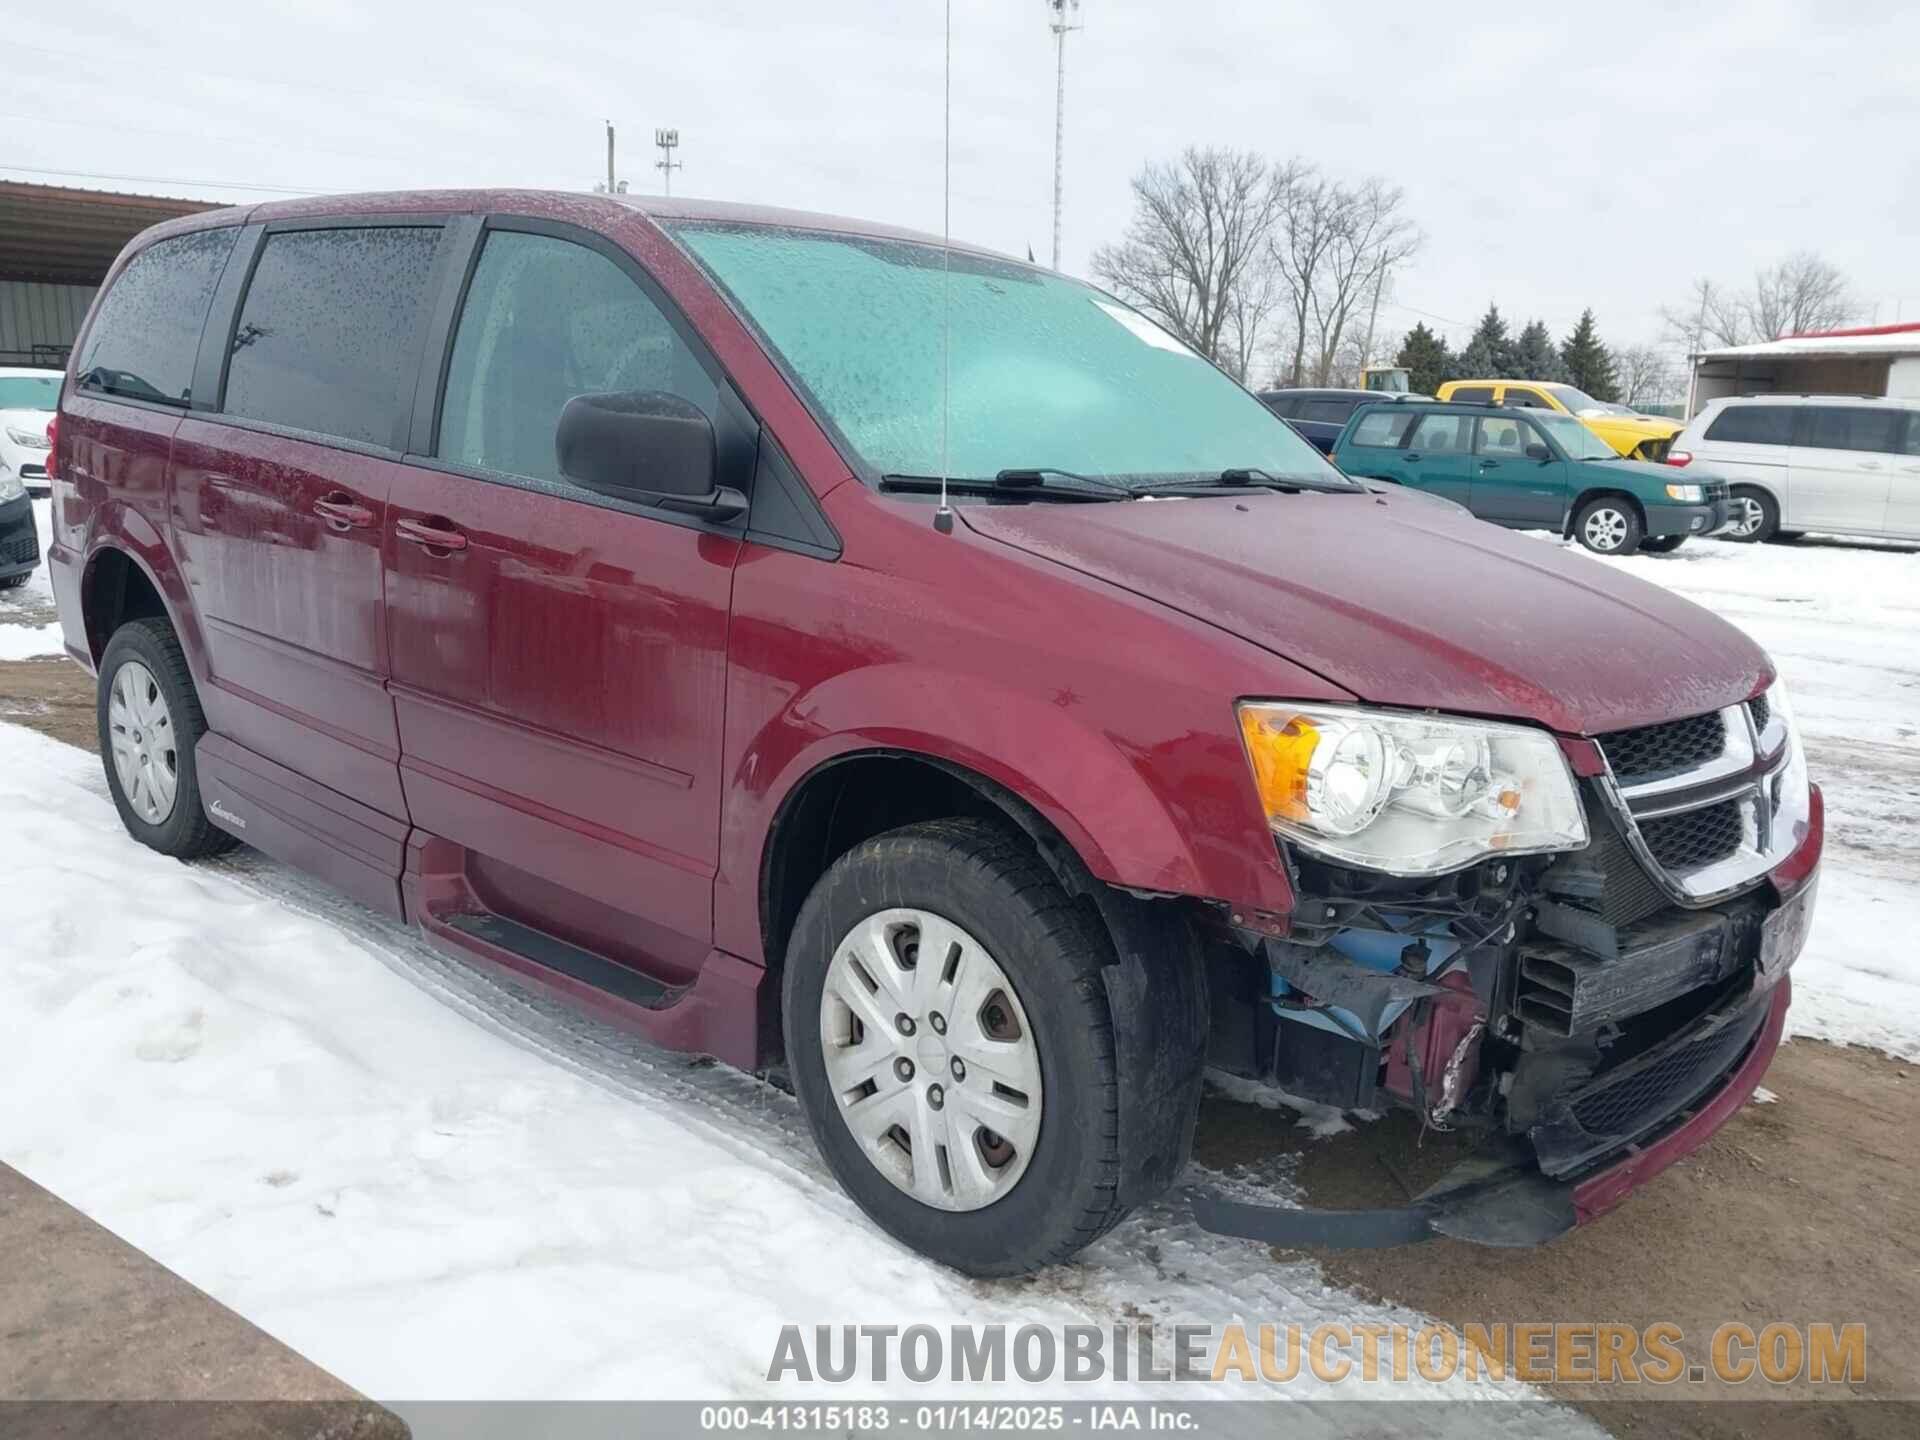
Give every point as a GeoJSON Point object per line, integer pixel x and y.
{"type": "Point", "coordinates": [1249, 478]}
{"type": "Point", "coordinates": [1041, 474]}
{"type": "Point", "coordinates": [1028, 485]}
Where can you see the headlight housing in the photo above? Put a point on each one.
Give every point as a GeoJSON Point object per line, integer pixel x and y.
{"type": "Point", "coordinates": [1408, 794]}
{"type": "Point", "coordinates": [1687, 494]}
{"type": "Point", "coordinates": [27, 439]}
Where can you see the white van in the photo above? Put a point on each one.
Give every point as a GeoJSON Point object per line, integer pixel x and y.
{"type": "Point", "coordinates": [1848, 465]}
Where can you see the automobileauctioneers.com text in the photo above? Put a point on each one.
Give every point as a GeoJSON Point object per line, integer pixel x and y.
{"type": "Point", "coordinates": [1538, 1353]}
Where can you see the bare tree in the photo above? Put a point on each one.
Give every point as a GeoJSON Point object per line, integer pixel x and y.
{"type": "Point", "coordinates": [1801, 293]}
{"type": "Point", "coordinates": [1643, 375]}
{"type": "Point", "coordinates": [1371, 234]}
{"type": "Point", "coordinates": [1307, 229]}
{"type": "Point", "coordinates": [1194, 253]}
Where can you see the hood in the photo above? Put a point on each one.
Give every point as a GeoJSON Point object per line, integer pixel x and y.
{"type": "Point", "coordinates": [1405, 603]}
{"type": "Point", "coordinates": [1647, 427]}
{"type": "Point", "coordinates": [34, 421]}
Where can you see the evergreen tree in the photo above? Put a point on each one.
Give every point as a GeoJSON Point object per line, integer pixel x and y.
{"type": "Point", "coordinates": [1428, 361]}
{"type": "Point", "coordinates": [1489, 354]}
{"type": "Point", "coordinates": [1588, 364]}
{"type": "Point", "coordinates": [1534, 357]}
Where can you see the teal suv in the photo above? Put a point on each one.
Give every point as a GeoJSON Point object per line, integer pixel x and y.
{"type": "Point", "coordinates": [1532, 470]}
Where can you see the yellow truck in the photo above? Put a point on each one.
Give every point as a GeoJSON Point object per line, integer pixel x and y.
{"type": "Point", "coordinates": [1638, 437]}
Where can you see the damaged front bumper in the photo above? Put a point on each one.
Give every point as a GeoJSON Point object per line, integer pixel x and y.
{"type": "Point", "coordinates": [1512, 1203]}
{"type": "Point", "coordinates": [1704, 1073]}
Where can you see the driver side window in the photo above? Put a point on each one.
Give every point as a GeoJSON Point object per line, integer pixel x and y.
{"type": "Point", "coordinates": [545, 320]}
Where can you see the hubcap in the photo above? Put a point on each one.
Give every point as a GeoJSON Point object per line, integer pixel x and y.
{"type": "Point", "coordinates": [1749, 515]}
{"type": "Point", "coordinates": [140, 732]}
{"type": "Point", "coordinates": [1606, 529]}
{"type": "Point", "coordinates": [946, 1107]}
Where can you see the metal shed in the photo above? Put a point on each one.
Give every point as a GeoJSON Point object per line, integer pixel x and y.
{"type": "Point", "coordinates": [56, 246]}
{"type": "Point", "coordinates": [1870, 360]}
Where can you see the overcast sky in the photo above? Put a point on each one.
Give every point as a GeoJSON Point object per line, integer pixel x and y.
{"type": "Point", "coordinates": [1604, 158]}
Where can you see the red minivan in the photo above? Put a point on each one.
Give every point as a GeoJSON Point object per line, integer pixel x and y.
{"type": "Point", "coordinates": [915, 676]}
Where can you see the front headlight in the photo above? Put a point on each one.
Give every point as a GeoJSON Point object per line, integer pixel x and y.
{"type": "Point", "coordinates": [1409, 794]}
{"type": "Point", "coordinates": [27, 439]}
{"type": "Point", "coordinates": [1686, 494]}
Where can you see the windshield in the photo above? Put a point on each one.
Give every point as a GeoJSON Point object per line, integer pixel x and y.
{"type": "Point", "coordinates": [1580, 403]}
{"type": "Point", "coordinates": [1046, 373]}
{"type": "Point", "coordinates": [1579, 442]}
{"type": "Point", "coordinates": [29, 392]}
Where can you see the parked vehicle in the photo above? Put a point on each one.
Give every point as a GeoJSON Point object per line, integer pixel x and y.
{"type": "Point", "coordinates": [1636, 436]}
{"type": "Point", "coordinates": [19, 540]}
{"type": "Point", "coordinates": [1849, 465]}
{"type": "Point", "coordinates": [1387, 380]}
{"type": "Point", "coordinates": [575, 578]}
{"type": "Point", "coordinates": [26, 404]}
{"type": "Point", "coordinates": [1320, 415]}
{"type": "Point", "coordinates": [1532, 470]}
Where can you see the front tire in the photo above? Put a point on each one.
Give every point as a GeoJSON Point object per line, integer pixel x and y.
{"type": "Point", "coordinates": [1608, 525]}
{"type": "Point", "coordinates": [150, 720]}
{"type": "Point", "coordinates": [948, 1035]}
{"type": "Point", "coordinates": [1756, 516]}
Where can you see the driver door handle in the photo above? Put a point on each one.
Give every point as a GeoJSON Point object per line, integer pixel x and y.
{"type": "Point", "coordinates": [342, 511]}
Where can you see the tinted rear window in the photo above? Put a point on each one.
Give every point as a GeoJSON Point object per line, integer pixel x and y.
{"type": "Point", "coordinates": [1281, 405]}
{"type": "Point", "coordinates": [1754, 425]}
{"type": "Point", "coordinates": [1854, 427]}
{"type": "Point", "coordinates": [327, 334]}
{"type": "Point", "coordinates": [1473, 395]}
{"type": "Point", "coordinates": [1383, 429]}
{"type": "Point", "coordinates": [1329, 412]}
{"type": "Point", "coordinates": [147, 331]}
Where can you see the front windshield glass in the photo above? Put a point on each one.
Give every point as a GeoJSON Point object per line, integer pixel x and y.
{"type": "Point", "coordinates": [1579, 402]}
{"type": "Point", "coordinates": [1046, 373]}
{"type": "Point", "coordinates": [1579, 442]}
{"type": "Point", "coordinates": [29, 392]}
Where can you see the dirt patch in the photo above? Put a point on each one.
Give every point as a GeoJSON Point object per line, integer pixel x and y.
{"type": "Point", "coordinates": [1802, 1211]}
{"type": "Point", "coordinates": [53, 696]}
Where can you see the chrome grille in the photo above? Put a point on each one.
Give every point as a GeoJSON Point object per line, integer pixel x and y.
{"type": "Point", "coordinates": [1760, 710]}
{"type": "Point", "coordinates": [1694, 837]}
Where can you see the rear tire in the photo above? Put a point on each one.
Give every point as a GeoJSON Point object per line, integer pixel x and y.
{"type": "Point", "coordinates": [1756, 517]}
{"type": "Point", "coordinates": [1662, 544]}
{"type": "Point", "coordinates": [150, 720]}
{"type": "Point", "coordinates": [982, 888]}
{"type": "Point", "coordinates": [1609, 525]}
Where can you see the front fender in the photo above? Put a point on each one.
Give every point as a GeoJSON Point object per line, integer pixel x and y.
{"type": "Point", "coordinates": [1138, 816]}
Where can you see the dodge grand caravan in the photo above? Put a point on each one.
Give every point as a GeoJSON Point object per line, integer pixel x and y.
{"type": "Point", "coordinates": [575, 578]}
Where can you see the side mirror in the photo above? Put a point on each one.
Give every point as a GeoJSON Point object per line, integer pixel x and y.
{"type": "Point", "coordinates": [1537, 451]}
{"type": "Point", "coordinates": [644, 445]}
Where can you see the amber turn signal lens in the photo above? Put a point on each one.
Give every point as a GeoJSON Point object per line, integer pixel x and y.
{"type": "Point", "coordinates": [1280, 755]}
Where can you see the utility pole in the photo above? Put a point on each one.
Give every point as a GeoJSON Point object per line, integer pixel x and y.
{"type": "Point", "coordinates": [1064, 18]}
{"type": "Point", "coordinates": [610, 189]}
{"type": "Point", "coordinates": [668, 141]}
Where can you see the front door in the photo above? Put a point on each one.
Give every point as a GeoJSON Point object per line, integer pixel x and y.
{"type": "Point", "coordinates": [1842, 466]}
{"type": "Point", "coordinates": [559, 657]}
{"type": "Point", "coordinates": [1511, 485]}
{"type": "Point", "coordinates": [1438, 457]}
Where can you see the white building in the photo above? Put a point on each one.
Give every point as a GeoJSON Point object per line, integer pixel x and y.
{"type": "Point", "coordinates": [1874, 360]}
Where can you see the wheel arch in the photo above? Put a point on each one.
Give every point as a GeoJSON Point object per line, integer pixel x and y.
{"type": "Point", "coordinates": [128, 562]}
{"type": "Point", "coordinates": [1600, 492]}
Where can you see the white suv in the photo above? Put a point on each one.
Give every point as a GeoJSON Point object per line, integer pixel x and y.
{"type": "Point", "coordinates": [27, 398]}
{"type": "Point", "coordinates": [1848, 465]}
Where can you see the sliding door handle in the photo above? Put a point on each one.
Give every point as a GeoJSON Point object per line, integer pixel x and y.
{"type": "Point", "coordinates": [430, 534]}
{"type": "Point", "coordinates": [343, 512]}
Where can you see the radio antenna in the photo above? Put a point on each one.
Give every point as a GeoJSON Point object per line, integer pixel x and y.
{"type": "Point", "coordinates": [943, 517]}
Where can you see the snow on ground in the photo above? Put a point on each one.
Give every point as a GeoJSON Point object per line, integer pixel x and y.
{"type": "Point", "coordinates": [27, 625]}
{"type": "Point", "coordinates": [436, 1186]}
{"type": "Point", "coordinates": [1842, 621]}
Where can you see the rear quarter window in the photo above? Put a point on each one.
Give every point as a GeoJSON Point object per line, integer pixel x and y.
{"type": "Point", "coordinates": [328, 332]}
{"type": "Point", "coordinates": [1281, 405]}
{"type": "Point", "coordinates": [1854, 427]}
{"type": "Point", "coordinates": [147, 330]}
{"type": "Point", "coordinates": [1753, 425]}
{"type": "Point", "coordinates": [1382, 429]}
{"type": "Point", "coordinates": [1472, 395]}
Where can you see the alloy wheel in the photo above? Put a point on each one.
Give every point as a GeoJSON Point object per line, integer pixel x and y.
{"type": "Point", "coordinates": [931, 1059]}
{"type": "Point", "coordinates": [1606, 529]}
{"type": "Point", "coordinates": [145, 759]}
{"type": "Point", "coordinates": [1747, 516]}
